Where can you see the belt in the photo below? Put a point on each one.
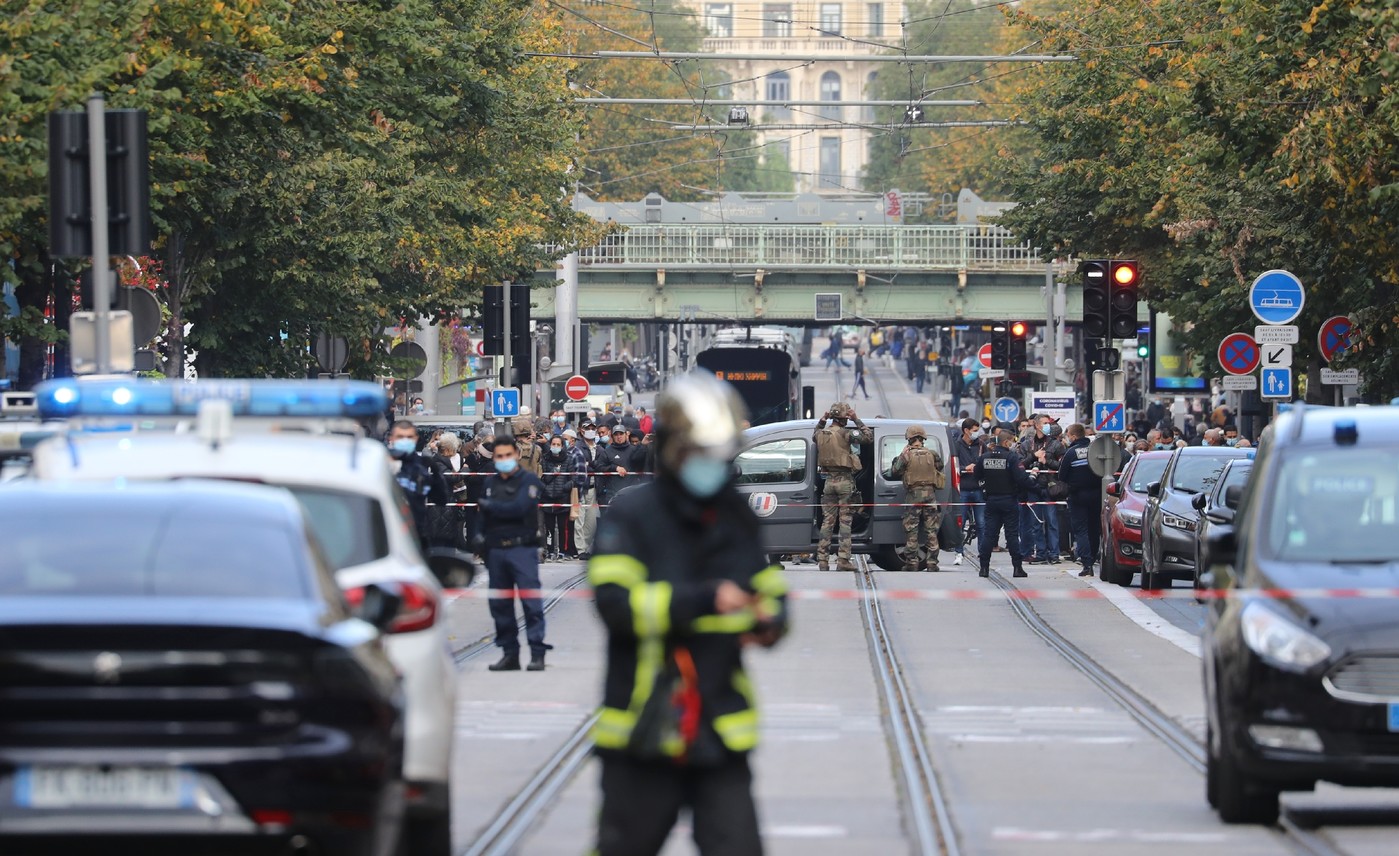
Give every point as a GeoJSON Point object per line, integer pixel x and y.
{"type": "Point", "coordinates": [527, 541]}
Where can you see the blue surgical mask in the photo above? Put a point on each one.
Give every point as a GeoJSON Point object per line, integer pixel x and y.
{"type": "Point", "coordinates": [703, 477]}
{"type": "Point", "coordinates": [1231, 441]}
{"type": "Point", "coordinates": [589, 435]}
{"type": "Point", "coordinates": [506, 466]}
{"type": "Point", "coordinates": [403, 446]}
{"type": "Point", "coordinates": [605, 439]}
{"type": "Point", "coordinates": [558, 420]}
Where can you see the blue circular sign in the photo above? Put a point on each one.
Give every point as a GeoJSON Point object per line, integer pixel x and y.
{"type": "Point", "coordinates": [1276, 297]}
{"type": "Point", "coordinates": [1006, 409]}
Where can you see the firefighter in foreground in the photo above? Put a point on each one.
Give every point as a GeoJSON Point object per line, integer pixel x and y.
{"type": "Point", "coordinates": [683, 585]}
{"type": "Point", "coordinates": [839, 465]}
{"type": "Point", "coordinates": [920, 469]}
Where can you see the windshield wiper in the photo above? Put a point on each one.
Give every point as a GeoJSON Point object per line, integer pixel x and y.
{"type": "Point", "coordinates": [1363, 561]}
{"type": "Point", "coordinates": [1190, 490]}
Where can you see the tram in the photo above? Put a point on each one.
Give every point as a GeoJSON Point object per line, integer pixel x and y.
{"type": "Point", "coordinates": [763, 364]}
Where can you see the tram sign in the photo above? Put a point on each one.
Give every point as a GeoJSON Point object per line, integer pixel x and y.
{"type": "Point", "coordinates": [1276, 297]}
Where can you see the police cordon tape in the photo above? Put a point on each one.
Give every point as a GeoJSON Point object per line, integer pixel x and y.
{"type": "Point", "coordinates": [778, 505]}
{"type": "Point", "coordinates": [988, 594]}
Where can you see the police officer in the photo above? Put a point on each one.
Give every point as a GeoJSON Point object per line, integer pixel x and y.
{"type": "Point", "coordinates": [508, 538]}
{"type": "Point", "coordinates": [839, 465]}
{"type": "Point", "coordinates": [1084, 493]}
{"type": "Point", "coordinates": [920, 468]}
{"type": "Point", "coordinates": [422, 478]}
{"type": "Point", "coordinates": [682, 585]}
{"type": "Point", "coordinates": [1003, 480]}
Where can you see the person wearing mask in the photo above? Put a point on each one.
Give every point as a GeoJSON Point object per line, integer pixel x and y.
{"type": "Point", "coordinates": [1039, 523]}
{"type": "Point", "coordinates": [420, 477]}
{"type": "Point", "coordinates": [611, 418]}
{"type": "Point", "coordinates": [449, 530]}
{"type": "Point", "coordinates": [1231, 435]}
{"type": "Point", "coordinates": [584, 457]}
{"type": "Point", "coordinates": [418, 408]}
{"type": "Point", "coordinates": [528, 452]}
{"type": "Point", "coordinates": [921, 471]}
{"type": "Point", "coordinates": [1003, 480]}
{"type": "Point", "coordinates": [682, 585]}
{"type": "Point", "coordinates": [967, 450]}
{"type": "Point", "coordinates": [559, 477]}
{"type": "Point", "coordinates": [611, 467]}
{"type": "Point", "coordinates": [1085, 488]}
{"type": "Point", "coordinates": [507, 537]}
{"type": "Point", "coordinates": [644, 421]}
{"type": "Point", "coordinates": [836, 461]}
{"type": "Point", "coordinates": [860, 374]}
{"type": "Point", "coordinates": [558, 421]}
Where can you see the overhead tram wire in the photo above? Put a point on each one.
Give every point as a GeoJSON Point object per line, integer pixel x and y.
{"type": "Point", "coordinates": [679, 56]}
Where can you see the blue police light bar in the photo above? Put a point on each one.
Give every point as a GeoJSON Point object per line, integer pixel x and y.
{"type": "Point", "coordinates": [75, 398]}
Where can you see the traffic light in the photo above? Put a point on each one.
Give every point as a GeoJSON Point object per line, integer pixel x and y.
{"type": "Point", "coordinates": [1124, 279]}
{"type": "Point", "coordinates": [493, 320]}
{"type": "Point", "coordinates": [1015, 337]}
{"type": "Point", "coordinates": [1143, 350]}
{"type": "Point", "coordinates": [128, 185]}
{"type": "Point", "coordinates": [1000, 355]}
{"type": "Point", "coordinates": [1096, 299]}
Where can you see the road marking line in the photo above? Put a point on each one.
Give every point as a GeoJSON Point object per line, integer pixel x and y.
{"type": "Point", "coordinates": [1144, 616]}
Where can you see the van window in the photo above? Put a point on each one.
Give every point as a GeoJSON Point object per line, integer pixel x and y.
{"type": "Point", "coordinates": [776, 462]}
{"type": "Point", "coordinates": [1335, 506]}
{"type": "Point", "coordinates": [891, 446]}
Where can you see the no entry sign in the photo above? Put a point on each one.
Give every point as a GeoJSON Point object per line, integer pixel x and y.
{"type": "Point", "coordinates": [576, 388]}
{"type": "Point", "coordinates": [1239, 354]}
{"type": "Point", "coordinates": [985, 356]}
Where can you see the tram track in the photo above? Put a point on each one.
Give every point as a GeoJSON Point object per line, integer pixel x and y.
{"type": "Point", "coordinates": [925, 806]}
{"type": "Point", "coordinates": [485, 643]}
{"type": "Point", "coordinates": [1296, 837]}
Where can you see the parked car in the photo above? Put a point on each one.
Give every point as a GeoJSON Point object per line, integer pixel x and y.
{"type": "Point", "coordinates": [777, 470]}
{"type": "Point", "coordinates": [1214, 509]}
{"type": "Point", "coordinates": [1169, 520]}
{"type": "Point", "coordinates": [1122, 516]}
{"type": "Point", "coordinates": [1305, 688]}
{"type": "Point", "coordinates": [177, 662]}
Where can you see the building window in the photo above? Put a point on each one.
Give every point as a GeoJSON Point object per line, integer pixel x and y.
{"type": "Point", "coordinates": [875, 17]}
{"type": "Point", "coordinates": [830, 19]}
{"type": "Point", "coordinates": [829, 166]}
{"type": "Point", "coordinates": [777, 20]}
{"type": "Point", "coordinates": [719, 20]}
{"type": "Point", "coordinates": [830, 91]}
{"type": "Point", "coordinates": [779, 88]}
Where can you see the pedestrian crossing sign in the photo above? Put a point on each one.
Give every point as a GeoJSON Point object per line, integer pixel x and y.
{"type": "Point", "coordinates": [1277, 383]}
{"type": "Point", "coordinates": [505, 402]}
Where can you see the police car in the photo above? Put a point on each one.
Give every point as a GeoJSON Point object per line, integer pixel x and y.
{"type": "Point", "coordinates": [345, 483]}
{"type": "Point", "coordinates": [777, 471]}
{"type": "Point", "coordinates": [1301, 658]}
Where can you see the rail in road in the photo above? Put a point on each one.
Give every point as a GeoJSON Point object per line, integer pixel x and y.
{"type": "Point", "coordinates": [485, 643]}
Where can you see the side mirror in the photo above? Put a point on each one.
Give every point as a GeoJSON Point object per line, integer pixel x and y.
{"type": "Point", "coordinates": [1199, 501]}
{"type": "Point", "coordinates": [1232, 495]}
{"type": "Point", "coordinates": [452, 567]}
{"type": "Point", "coordinates": [378, 605]}
{"type": "Point", "coordinates": [1112, 489]}
{"type": "Point", "coordinates": [1220, 548]}
{"type": "Point", "coordinates": [1153, 490]}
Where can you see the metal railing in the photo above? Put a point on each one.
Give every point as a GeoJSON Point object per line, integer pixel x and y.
{"type": "Point", "coordinates": [975, 247]}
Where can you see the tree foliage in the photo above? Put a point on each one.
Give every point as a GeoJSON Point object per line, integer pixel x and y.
{"type": "Point", "coordinates": [1217, 141]}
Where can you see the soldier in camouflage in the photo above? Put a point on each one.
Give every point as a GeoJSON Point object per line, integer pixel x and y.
{"type": "Point", "coordinates": [920, 469]}
{"type": "Point", "coordinates": [839, 465]}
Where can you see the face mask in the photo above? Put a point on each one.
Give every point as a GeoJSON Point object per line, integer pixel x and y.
{"type": "Point", "coordinates": [1231, 441]}
{"type": "Point", "coordinates": [589, 435]}
{"type": "Point", "coordinates": [986, 426]}
{"type": "Point", "coordinates": [605, 440]}
{"type": "Point", "coordinates": [1161, 447]}
{"type": "Point", "coordinates": [976, 432]}
{"type": "Point", "coordinates": [557, 450]}
{"type": "Point", "coordinates": [704, 477]}
{"type": "Point", "coordinates": [506, 466]}
{"type": "Point", "coordinates": [403, 446]}
{"type": "Point", "coordinates": [558, 420]}
{"type": "Point", "coordinates": [418, 408]}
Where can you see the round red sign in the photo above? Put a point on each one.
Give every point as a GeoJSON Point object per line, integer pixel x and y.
{"type": "Point", "coordinates": [1239, 354]}
{"type": "Point", "coordinates": [985, 356]}
{"type": "Point", "coordinates": [576, 388]}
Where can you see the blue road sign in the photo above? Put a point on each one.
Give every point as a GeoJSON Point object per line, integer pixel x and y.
{"type": "Point", "coordinates": [505, 402]}
{"type": "Point", "coordinates": [1110, 417]}
{"type": "Point", "coordinates": [1277, 383]}
{"type": "Point", "coordinates": [1276, 297]}
{"type": "Point", "coordinates": [1006, 409]}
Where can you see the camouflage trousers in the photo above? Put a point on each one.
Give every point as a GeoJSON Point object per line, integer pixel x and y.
{"type": "Point", "coordinates": [836, 499]}
{"type": "Point", "coordinates": [928, 514]}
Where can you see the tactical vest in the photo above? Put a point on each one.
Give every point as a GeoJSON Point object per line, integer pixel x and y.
{"type": "Point", "coordinates": [529, 456]}
{"type": "Point", "coordinates": [924, 469]}
{"type": "Point", "coordinates": [833, 450]}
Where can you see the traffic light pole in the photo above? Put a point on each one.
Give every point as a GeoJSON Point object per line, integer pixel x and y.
{"type": "Point", "coordinates": [502, 424]}
{"type": "Point", "coordinates": [101, 261]}
{"type": "Point", "coordinates": [1051, 333]}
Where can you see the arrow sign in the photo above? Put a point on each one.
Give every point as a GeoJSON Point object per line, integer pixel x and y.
{"type": "Point", "coordinates": [1277, 356]}
{"type": "Point", "coordinates": [1006, 409]}
{"type": "Point", "coordinates": [1239, 354]}
{"type": "Point", "coordinates": [1333, 339]}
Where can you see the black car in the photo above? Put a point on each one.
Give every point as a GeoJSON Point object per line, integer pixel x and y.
{"type": "Point", "coordinates": [177, 663]}
{"type": "Point", "coordinates": [1168, 523]}
{"type": "Point", "coordinates": [1301, 674]}
{"type": "Point", "coordinates": [1214, 509]}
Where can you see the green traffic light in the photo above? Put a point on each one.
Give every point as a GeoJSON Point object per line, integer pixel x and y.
{"type": "Point", "coordinates": [1143, 351]}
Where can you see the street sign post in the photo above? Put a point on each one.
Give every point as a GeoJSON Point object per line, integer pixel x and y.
{"type": "Point", "coordinates": [1276, 297]}
{"type": "Point", "coordinates": [1006, 409]}
{"type": "Point", "coordinates": [1109, 417]}
{"type": "Point", "coordinates": [1104, 456]}
{"type": "Point", "coordinates": [576, 388]}
{"type": "Point", "coordinates": [1277, 356]}
{"type": "Point", "coordinates": [1239, 354]}
{"type": "Point", "coordinates": [1277, 383]}
{"type": "Point", "coordinates": [1277, 334]}
{"type": "Point", "coordinates": [505, 402]}
{"type": "Point", "coordinates": [1333, 339]}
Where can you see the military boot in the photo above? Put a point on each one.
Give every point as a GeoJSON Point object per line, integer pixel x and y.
{"type": "Point", "coordinates": [508, 662]}
{"type": "Point", "coordinates": [845, 565]}
{"type": "Point", "coordinates": [822, 562]}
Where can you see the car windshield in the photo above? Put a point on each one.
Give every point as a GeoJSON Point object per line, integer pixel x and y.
{"type": "Point", "coordinates": [1335, 505]}
{"type": "Point", "coordinates": [1196, 473]}
{"type": "Point", "coordinates": [350, 526]}
{"type": "Point", "coordinates": [190, 553]}
{"type": "Point", "coordinates": [1145, 472]}
{"type": "Point", "coordinates": [1237, 475]}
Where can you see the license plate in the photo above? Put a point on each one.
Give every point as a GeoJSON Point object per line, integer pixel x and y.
{"type": "Point", "coordinates": [1394, 717]}
{"type": "Point", "coordinates": [103, 787]}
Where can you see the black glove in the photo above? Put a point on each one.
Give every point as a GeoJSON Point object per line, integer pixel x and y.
{"type": "Point", "coordinates": [478, 544]}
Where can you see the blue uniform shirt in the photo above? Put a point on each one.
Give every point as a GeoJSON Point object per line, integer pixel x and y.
{"type": "Point", "coordinates": [509, 509]}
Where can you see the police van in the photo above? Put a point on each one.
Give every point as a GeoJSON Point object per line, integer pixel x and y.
{"type": "Point", "coordinates": [777, 472]}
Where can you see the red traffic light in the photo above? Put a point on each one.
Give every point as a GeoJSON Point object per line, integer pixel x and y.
{"type": "Point", "coordinates": [1018, 329]}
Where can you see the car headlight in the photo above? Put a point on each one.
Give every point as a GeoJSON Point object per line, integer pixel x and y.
{"type": "Point", "coordinates": [1130, 519]}
{"type": "Point", "coordinates": [1279, 641]}
{"type": "Point", "coordinates": [1175, 522]}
